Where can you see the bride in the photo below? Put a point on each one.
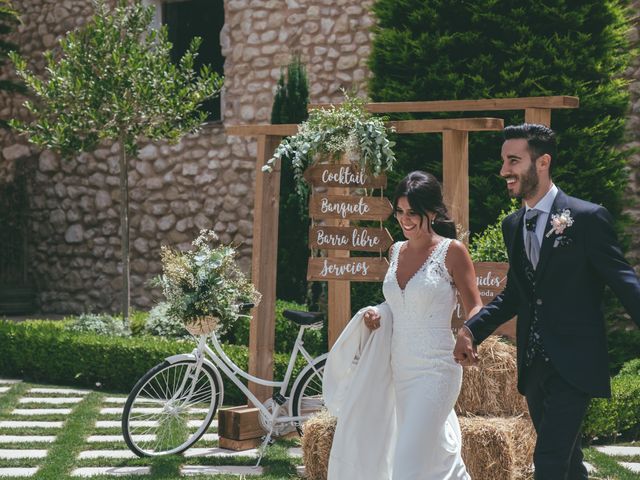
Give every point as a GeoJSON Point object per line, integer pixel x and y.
{"type": "Point", "coordinates": [393, 384]}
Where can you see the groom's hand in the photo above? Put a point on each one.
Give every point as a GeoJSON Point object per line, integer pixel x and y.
{"type": "Point", "coordinates": [465, 352]}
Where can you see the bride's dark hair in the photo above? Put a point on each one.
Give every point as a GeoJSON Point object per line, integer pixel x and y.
{"type": "Point", "coordinates": [424, 194]}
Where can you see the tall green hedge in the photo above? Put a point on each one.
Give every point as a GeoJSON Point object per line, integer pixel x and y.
{"type": "Point", "coordinates": [447, 50]}
{"type": "Point", "coordinates": [290, 106]}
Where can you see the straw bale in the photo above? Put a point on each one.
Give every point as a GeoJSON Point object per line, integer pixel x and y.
{"type": "Point", "coordinates": [498, 448]}
{"type": "Point", "coordinates": [491, 388]}
{"type": "Point", "coordinates": [495, 448]}
{"type": "Point", "coordinates": [316, 444]}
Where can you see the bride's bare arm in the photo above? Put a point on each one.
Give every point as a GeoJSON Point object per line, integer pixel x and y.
{"type": "Point", "coordinates": [461, 270]}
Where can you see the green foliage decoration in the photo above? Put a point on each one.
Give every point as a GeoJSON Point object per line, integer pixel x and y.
{"type": "Point", "coordinates": [347, 129]}
{"type": "Point", "coordinates": [442, 50]}
{"type": "Point", "coordinates": [488, 246]}
{"type": "Point", "coordinates": [114, 80]}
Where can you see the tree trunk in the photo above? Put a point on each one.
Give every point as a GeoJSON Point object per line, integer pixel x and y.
{"type": "Point", "coordinates": [124, 228]}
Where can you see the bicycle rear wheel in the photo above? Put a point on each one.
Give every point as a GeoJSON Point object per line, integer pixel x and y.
{"type": "Point", "coordinates": [170, 408]}
{"type": "Point", "coordinates": [306, 398]}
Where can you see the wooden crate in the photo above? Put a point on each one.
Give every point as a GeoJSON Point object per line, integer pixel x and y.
{"type": "Point", "coordinates": [239, 423]}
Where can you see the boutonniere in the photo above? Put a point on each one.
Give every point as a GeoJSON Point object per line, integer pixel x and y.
{"type": "Point", "coordinates": [560, 221]}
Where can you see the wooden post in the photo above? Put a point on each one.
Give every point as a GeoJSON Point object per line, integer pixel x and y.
{"type": "Point", "coordinates": [339, 305]}
{"type": "Point", "coordinates": [538, 115]}
{"type": "Point", "coordinates": [264, 266]}
{"type": "Point", "coordinates": [455, 175]}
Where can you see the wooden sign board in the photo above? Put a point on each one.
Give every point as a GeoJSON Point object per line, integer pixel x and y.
{"type": "Point", "coordinates": [357, 269]}
{"type": "Point", "coordinates": [325, 175]}
{"type": "Point", "coordinates": [491, 278]}
{"type": "Point", "coordinates": [350, 238]}
{"type": "Point", "coordinates": [349, 208]}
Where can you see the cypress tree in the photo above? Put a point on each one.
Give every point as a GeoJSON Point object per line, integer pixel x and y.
{"type": "Point", "coordinates": [290, 106]}
{"type": "Point", "coordinates": [456, 49]}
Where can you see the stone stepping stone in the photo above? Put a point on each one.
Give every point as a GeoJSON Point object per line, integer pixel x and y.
{"type": "Point", "coordinates": [147, 423]}
{"type": "Point", "coordinates": [590, 468]}
{"type": "Point", "coordinates": [146, 410]}
{"type": "Point", "coordinates": [619, 450]}
{"type": "Point", "coordinates": [7, 381]}
{"type": "Point", "coordinates": [29, 424]}
{"type": "Point", "coordinates": [40, 411]}
{"type": "Point", "coordinates": [220, 470]}
{"type": "Point", "coordinates": [59, 391]}
{"type": "Point", "coordinates": [121, 400]}
{"type": "Point", "coordinates": [115, 471]}
{"type": "Point", "coordinates": [220, 452]}
{"type": "Point", "coordinates": [107, 454]}
{"type": "Point", "coordinates": [51, 400]}
{"type": "Point", "coordinates": [295, 452]}
{"type": "Point", "coordinates": [212, 437]}
{"type": "Point", "coordinates": [634, 467]}
{"type": "Point", "coordinates": [27, 438]}
{"type": "Point", "coordinates": [18, 471]}
{"type": "Point", "coordinates": [7, 454]}
{"type": "Point", "coordinates": [4, 389]}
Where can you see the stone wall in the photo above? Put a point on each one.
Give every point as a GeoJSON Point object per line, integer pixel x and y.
{"type": "Point", "coordinates": [205, 181]}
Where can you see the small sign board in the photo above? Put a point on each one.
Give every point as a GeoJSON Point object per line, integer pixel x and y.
{"type": "Point", "coordinates": [337, 175]}
{"type": "Point", "coordinates": [350, 238]}
{"type": "Point", "coordinates": [491, 278]}
{"type": "Point", "coordinates": [349, 207]}
{"type": "Point", "coordinates": [357, 269]}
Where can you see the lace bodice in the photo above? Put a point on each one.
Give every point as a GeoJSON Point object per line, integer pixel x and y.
{"type": "Point", "coordinates": [428, 298]}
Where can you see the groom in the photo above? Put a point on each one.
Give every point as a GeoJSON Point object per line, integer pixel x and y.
{"type": "Point", "coordinates": [562, 251]}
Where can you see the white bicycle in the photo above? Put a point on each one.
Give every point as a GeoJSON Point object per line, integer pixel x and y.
{"type": "Point", "coordinates": [173, 404]}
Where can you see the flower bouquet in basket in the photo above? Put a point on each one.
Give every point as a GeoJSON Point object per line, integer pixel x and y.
{"type": "Point", "coordinates": [204, 286]}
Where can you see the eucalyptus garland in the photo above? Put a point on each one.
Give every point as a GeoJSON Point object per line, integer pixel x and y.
{"type": "Point", "coordinates": [347, 129]}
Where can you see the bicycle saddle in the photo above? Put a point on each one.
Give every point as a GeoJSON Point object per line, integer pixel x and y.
{"type": "Point", "coordinates": [303, 318]}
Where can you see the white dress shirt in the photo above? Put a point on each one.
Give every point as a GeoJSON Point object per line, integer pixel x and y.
{"type": "Point", "coordinates": [544, 207]}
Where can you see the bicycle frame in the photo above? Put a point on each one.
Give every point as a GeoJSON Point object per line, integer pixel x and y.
{"type": "Point", "coordinates": [231, 370]}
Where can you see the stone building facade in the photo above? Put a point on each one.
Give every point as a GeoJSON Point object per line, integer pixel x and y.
{"type": "Point", "coordinates": [205, 181]}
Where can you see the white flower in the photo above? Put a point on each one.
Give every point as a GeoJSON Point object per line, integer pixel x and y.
{"type": "Point", "coordinates": [560, 221]}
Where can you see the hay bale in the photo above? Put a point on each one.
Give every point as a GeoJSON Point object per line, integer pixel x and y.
{"type": "Point", "coordinates": [492, 448]}
{"type": "Point", "coordinates": [498, 448]}
{"type": "Point", "coordinates": [491, 388]}
{"type": "Point", "coordinates": [316, 444]}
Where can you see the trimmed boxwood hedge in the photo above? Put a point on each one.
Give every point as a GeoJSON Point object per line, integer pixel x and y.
{"type": "Point", "coordinates": [42, 351]}
{"type": "Point", "coordinates": [607, 419]}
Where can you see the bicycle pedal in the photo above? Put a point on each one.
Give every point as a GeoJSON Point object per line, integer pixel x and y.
{"type": "Point", "coordinates": [268, 443]}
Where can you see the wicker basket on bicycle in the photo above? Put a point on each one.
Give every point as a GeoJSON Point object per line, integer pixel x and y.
{"type": "Point", "coordinates": [202, 325]}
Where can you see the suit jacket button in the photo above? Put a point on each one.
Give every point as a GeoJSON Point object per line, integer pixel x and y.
{"type": "Point", "coordinates": [539, 301]}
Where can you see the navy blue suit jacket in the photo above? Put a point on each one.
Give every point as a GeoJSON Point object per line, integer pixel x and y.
{"type": "Point", "coordinates": [570, 278]}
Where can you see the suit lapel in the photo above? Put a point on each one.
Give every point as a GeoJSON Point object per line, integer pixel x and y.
{"type": "Point", "coordinates": [559, 203]}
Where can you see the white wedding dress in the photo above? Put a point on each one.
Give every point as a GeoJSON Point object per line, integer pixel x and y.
{"type": "Point", "coordinates": [409, 363]}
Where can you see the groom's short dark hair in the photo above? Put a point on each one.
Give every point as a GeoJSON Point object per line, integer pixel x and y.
{"type": "Point", "coordinates": [540, 138]}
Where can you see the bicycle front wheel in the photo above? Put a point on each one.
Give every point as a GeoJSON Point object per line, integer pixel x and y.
{"type": "Point", "coordinates": [306, 398]}
{"type": "Point", "coordinates": [170, 408]}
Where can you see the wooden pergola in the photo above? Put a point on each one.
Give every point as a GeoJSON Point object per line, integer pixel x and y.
{"type": "Point", "coordinates": [455, 148]}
